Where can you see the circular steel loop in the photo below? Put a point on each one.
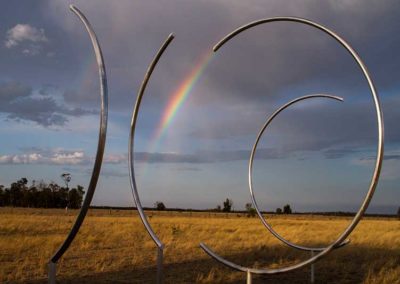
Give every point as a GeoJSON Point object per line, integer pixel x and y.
{"type": "Point", "coordinates": [131, 151]}
{"type": "Point", "coordinates": [379, 156]}
{"type": "Point", "coordinates": [253, 151]}
{"type": "Point", "coordinates": [101, 140]}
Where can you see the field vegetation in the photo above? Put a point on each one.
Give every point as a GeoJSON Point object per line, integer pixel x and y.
{"type": "Point", "coordinates": [113, 247]}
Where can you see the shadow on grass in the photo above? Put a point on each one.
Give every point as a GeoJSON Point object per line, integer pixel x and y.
{"type": "Point", "coordinates": [350, 264]}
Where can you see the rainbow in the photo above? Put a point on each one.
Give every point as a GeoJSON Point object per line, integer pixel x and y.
{"type": "Point", "coordinates": [180, 95]}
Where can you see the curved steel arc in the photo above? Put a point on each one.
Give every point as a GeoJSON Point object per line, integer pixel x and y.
{"type": "Point", "coordinates": [132, 141]}
{"type": "Point", "coordinates": [253, 151]}
{"type": "Point", "coordinates": [235, 266]}
{"type": "Point", "coordinates": [380, 147]}
{"type": "Point", "coordinates": [101, 140]}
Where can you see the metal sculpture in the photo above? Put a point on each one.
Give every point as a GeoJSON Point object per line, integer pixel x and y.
{"type": "Point", "coordinates": [253, 199]}
{"type": "Point", "coordinates": [249, 271]}
{"type": "Point", "coordinates": [341, 240]}
{"type": "Point", "coordinates": [252, 155]}
{"type": "Point", "coordinates": [100, 147]}
{"type": "Point", "coordinates": [157, 241]}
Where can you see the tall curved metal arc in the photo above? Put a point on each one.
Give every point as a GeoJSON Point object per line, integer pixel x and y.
{"type": "Point", "coordinates": [101, 140]}
{"type": "Point", "coordinates": [380, 147]}
{"type": "Point", "coordinates": [252, 155]}
{"type": "Point", "coordinates": [132, 141]}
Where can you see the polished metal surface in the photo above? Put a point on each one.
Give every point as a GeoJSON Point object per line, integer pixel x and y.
{"type": "Point", "coordinates": [248, 278]}
{"type": "Point", "coordinates": [379, 155]}
{"type": "Point", "coordinates": [101, 139]}
{"type": "Point", "coordinates": [251, 161]}
{"type": "Point", "coordinates": [157, 241]}
{"type": "Point", "coordinates": [131, 150]}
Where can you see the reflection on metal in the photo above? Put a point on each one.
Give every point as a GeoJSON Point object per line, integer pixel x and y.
{"type": "Point", "coordinates": [253, 151]}
{"type": "Point", "coordinates": [100, 147]}
{"type": "Point", "coordinates": [248, 278]}
{"type": "Point", "coordinates": [379, 156]}
{"type": "Point", "coordinates": [159, 244]}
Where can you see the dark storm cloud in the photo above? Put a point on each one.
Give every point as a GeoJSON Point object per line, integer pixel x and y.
{"type": "Point", "coordinates": [261, 67]}
{"type": "Point", "coordinates": [258, 65]}
{"type": "Point", "coordinates": [388, 157]}
{"type": "Point", "coordinates": [338, 153]}
{"type": "Point", "coordinates": [19, 104]}
{"type": "Point", "coordinates": [336, 130]}
{"type": "Point", "coordinates": [13, 90]}
{"type": "Point", "coordinates": [205, 157]}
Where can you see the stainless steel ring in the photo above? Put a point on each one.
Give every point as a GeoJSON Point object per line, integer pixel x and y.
{"type": "Point", "coordinates": [131, 150]}
{"type": "Point", "coordinates": [253, 151]}
{"type": "Point", "coordinates": [379, 156]}
{"type": "Point", "coordinates": [101, 140]}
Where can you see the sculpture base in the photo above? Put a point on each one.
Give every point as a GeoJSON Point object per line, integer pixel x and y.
{"type": "Point", "coordinates": [52, 272]}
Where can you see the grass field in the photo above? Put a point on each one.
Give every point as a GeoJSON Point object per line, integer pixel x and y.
{"type": "Point", "coordinates": [113, 247]}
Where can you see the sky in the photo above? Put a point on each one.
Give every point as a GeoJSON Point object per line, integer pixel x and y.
{"type": "Point", "coordinates": [202, 110]}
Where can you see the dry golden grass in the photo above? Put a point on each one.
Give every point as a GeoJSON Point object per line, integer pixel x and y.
{"type": "Point", "coordinates": [113, 247]}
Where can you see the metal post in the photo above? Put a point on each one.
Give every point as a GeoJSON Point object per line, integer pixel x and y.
{"type": "Point", "coordinates": [52, 266]}
{"type": "Point", "coordinates": [160, 276]}
{"type": "Point", "coordinates": [312, 269]}
{"type": "Point", "coordinates": [248, 281]}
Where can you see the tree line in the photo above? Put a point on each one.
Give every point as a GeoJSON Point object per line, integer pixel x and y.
{"type": "Point", "coordinates": [227, 206]}
{"type": "Point", "coordinates": [40, 195]}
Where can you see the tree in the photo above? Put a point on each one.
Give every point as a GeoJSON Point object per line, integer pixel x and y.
{"type": "Point", "coordinates": [287, 209]}
{"type": "Point", "coordinates": [218, 208]}
{"type": "Point", "coordinates": [75, 198]}
{"type": "Point", "coordinates": [2, 196]}
{"type": "Point", "coordinates": [159, 206]}
{"type": "Point", "coordinates": [228, 203]}
{"type": "Point", "coordinates": [251, 211]}
{"type": "Point", "coordinates": [398, 213]}
{"type": "Point", "coordinates": [278, 211]}
{"type": "Point", "coordinates": [67, 178]}
{"type": "Point", "coordinates": [17, 191]}
{"type": "Point", "coordinates": [41, 195]}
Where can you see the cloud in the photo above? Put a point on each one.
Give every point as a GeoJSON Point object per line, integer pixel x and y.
{"type": "Point", "coordinates": [19, 103]}
{"type": "Point", "coordinates": [390, 166]}
{"type": "Point", "coordinates": [13, 90]}
{"type": "Point", "coordinates": [37, 155]}
{"type": "Point", "coordinates": [26, 35]}
{"type": "Point", "coordinates": [191, 169]}
{"type": "Point", "coordinates": [336, 129]}
{"type": "Point", "coordinates": [205, 157]}
{"type": "Point", "coordinates": [49, 157]}
{"type": "Point", "coordinates": [337, 153]}
{"type": "Point", "coordinates": [116, 159]}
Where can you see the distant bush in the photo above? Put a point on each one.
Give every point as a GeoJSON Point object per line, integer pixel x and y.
{"type": "Point", "coordinates": [228, 203]}
{"type": "Point", "coordinates": [251, 211]}
{"type": "Point", "coordinates": [287, 209]}
{"type": "Point", "coordinates": [159, 206]}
